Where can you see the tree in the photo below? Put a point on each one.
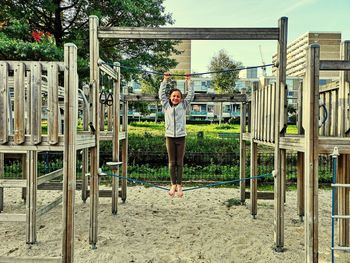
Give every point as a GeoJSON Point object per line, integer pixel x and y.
{"type": "Point", "coordinates": [224, 82]}
{"type": "Point", "coordinates": [63, 21]}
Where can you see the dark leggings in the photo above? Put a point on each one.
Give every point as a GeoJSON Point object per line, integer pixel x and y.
{"type": "Point", "coordinates": [176, 153]}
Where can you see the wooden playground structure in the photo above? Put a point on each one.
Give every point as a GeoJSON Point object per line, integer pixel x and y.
{"type": "Point", "coordinates": [21, 132]}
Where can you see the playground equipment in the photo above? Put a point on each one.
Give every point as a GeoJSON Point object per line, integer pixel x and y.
{"type": "Point", "coordinates": [267, 122]}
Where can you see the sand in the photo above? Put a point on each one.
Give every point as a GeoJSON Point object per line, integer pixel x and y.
{"type": "Point", "coordinates": [153, 227]}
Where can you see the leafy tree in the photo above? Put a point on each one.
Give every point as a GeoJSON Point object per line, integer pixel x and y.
{"type": "Point", "coordinates": [37, 30]}
{"type": "Point", "coordinates": [224, 82]}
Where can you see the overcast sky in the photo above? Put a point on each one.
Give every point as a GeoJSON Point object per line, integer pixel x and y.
{"type": "Point", "coordinates": [303, 16]}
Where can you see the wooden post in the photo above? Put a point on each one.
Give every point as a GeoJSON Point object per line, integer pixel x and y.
{"type": "Point", "coordinates": [116, 127]}
{"type": "Point", "coordinates": [300, 159]}
{"type": "Point", "coordinates": [253, 155]}
{"type": "Point", "coordinates": [243, 151]}
{"type": "Point", "coordinates": [85, 154]}
{"type": "Point", "coordinates": [125, 147]}
{"type": "Point", "coordinates": [280, 127]}
{"type": "Point", "coordinates": [24, 175]}
{"type": "Point", "coordinates": [52, 90]}
{"type": "Point", "coordinates": [3, 102]}
{"type": "Point", "coordinates": [343, 199]}
{"type": "Point", "coordinates": [343, 169]}
{"type": "Point", "coordinates": [310, 123]}
{"type": "Point", "coordinates": [32, 173]}
{"type": "Point", "coordinates": [69, 154]}
{"type": "Point", "coordinates": [18, 86]}
{"type": "Point", "coordinates": [300, 185]}
{"type": "Point", "coordinates": [2, 175]}
{"type": "Point", "coordinates": [94, 151]}
{"type": "Point", "coordinates": [35, 103]}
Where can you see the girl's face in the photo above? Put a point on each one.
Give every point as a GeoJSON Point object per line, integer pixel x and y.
{"type": "Point", "coordinates": [175, 97]}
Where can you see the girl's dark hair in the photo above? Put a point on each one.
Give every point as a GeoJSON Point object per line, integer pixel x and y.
{"type": "Point", "coordinates": [171, 92]}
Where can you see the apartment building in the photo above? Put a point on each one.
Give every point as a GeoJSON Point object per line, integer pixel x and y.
{"type": "Point", "coordinates": [183, 59]}
{"type": "Point", "coordinates": [296, 53]}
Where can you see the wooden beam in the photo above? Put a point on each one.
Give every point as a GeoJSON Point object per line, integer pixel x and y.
{"type": "Point", "coordinates": [243, 151]}
{"type": "Point", "coordinates": [334, 65]}
{"type": "Point", "coordinates": [70, 152]}
{"type": "Point", "coordinates": [13, 183]}
{"type": "Point", "coordinates": [310, 118]}
{"type": "Point", "coordinates": [116, 144]}
{"type": "Point", "coordinates": [95, 112]}
{"type": "Point", "coordinates": [279, 127]}
{"type": "Point", "coordinates": [3, 102]}
{"type": "Point", "coordinates": [174, 33]}
{"type": "Point", "coordinates": [4, 259]}
{"type": "Point", "coordinates": [31, 172]}
{"type": "Point", "coordinates": [47, 177]}
{"type": "Point", "coordinates": [43, 210]}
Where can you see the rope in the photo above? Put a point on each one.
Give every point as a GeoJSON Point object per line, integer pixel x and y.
{"type": "Point", "coordinates": [192, 74]}
{"type": "Point", "coordinates": [192, 188]}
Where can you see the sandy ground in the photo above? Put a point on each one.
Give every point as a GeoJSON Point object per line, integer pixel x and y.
{"type": "Point", "coordinates": [152, 227]}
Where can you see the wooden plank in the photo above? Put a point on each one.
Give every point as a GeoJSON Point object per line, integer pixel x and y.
{"type": "Point", "coordinates": [43, 210]}
{"type": "Point", "coordinates": [344, 85]}
{"type": "Point", "coordinates": [242, 150]}
{"type": "Point", "coordinates": [69, 154]}
{"type": "Point", "coordinates": [3, 102]}
{"type": "Point", "coordinates": [343, 200]}
{"type": "Point", "coordinates": [13, 183]}
{"type": "Point", "coordinates": [94, 152]}
{"type": "Point", "coordinates": [273, 112]}
{"type": "Point", "coordinates": [334, 113]}
{"type": "Point", "coordinates": [189, 33]}
{"type": "Point", "coordinates": [125, 147]}
{"type": "Point", "coordinates": [279, 130]}
{"type": "Point", "coordinates": [300, 185]}
{"type": "Point", "coordinates": [19, 95]}
{"type": "Point", "coordinates": [47, 177]}
{"type": "Point", "coordinates": [116, 144]}
{"type": "Point", "coordinates": [31, 172]}
{"type": "Point", "coordinates": [327, 125]}
{"type": "Point", "coordinates": [53, 109]}
{"type": "Point", "coordinates": [12, 217]}
{"type": "Point", "coordinates": [253, 182]}
{"type": "Point", "coordinates": [321, 114]}
{"type": "Point", "coordinates": [311, 115]}
{"type": "Point", "coordinates": [4, 259]}
{"type": "Point", "coordinates": [334, 65]}
{"type": "Point", "coordinates": [2, 175]}
{"type": "Point", "coordinates": [107, 69]}
{"type": "Point", "coordinates": [36, 104]}
{"type": "Point", "coordinates": [268, 116]}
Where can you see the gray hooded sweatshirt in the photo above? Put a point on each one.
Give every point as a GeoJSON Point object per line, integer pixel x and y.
{"type": "Point", "coordinates": [175, 116]}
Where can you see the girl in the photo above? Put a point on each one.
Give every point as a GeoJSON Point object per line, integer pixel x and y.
{"type": "Point", "coordinates": [175, 107]}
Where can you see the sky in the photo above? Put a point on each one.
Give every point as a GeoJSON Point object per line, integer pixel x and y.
{"type": "Point", "coordinates": [303, 16]}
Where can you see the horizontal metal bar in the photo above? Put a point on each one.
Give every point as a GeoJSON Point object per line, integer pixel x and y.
{"type": "Point", "coordinates": [334, 65]}
{"type": "Point", "coordinates": [189, 33]}
{"type": "Point", "coordinates": [197, 97]}
{"type": "Point", "coordinates": [340, 185]}
{"type": "Point", "coordinates": [341, 216]}
{"type": "Point", "coordinates": [341, 248]}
